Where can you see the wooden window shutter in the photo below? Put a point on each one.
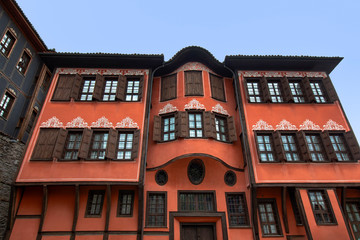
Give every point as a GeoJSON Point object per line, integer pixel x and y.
{"type": "Point", "coordinates": [177, 125]}
{"type": "Point", "coordinates": [63, 88]}
{"type": "Point", "coordinates": [353, 145]}
{"type": "Point", "coordinates": [184, 124]}
{"type": "Point", "coordinates": [330, 90]}
{"type": "Point", "coordinates": [217, 87]}
{"type": "Point", "coordinates": [209, 125]}
{"type": "Point", "coordinates": [265, 89]}
{"type": "Point", "coordinates": [286, 90]}
{"type": "Point", "coordinates": [111, 144]}
{"type": "Point", "coordinates": [141, 87]}
{"type": "Point", "coordinates": [99, 87]}
{"type": "Point", "coordinates": [76, 87]}
{"type": "Point", "coordinates": [157, 129]}
{"type": "Point", "coordinates": [121, 88]}
{"type": "Point", "coordinates": [231, 129]}
{"type": "Point", "coordinates": [308, 91]}
{"type": "Point", "coordinates": [85, 144]}
{"type": "Point", "coordinates": [193, 83]}
{"type": "Point", "coordinates": [168, 87]}
{"type": "Point", "coordinates": [330, 152]}
{"type": "Point", "coordinates": [45, 144]}
{"type": "Point", "coordinates": [278, 147]}
{"type": "Point", "coordinates": [136, 142]}
{"type": "Point", "coordinates": [303, 146]}
{"type": "Point", "coordinates": [60, 143]}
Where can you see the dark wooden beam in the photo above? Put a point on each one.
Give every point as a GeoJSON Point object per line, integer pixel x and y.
{"type": "Point", "coordinates": [254, 220]}
{"type": "Point", "coordinates": [284, 209]}
{"type": "Point", "coordinates": [141, 213]}
{"type": "Point", "coordinates": [43, 212]}
{"type": "Point", "coordinates": [343, 199]}
{"type": "Point", "coordinates": [108, 208]}
{"type": "Point", "coordinates": [76, 212]}
{"type": "Point", "coordinates": [303, 215]}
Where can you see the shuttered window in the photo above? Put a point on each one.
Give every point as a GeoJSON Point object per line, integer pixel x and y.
{"type": "Point", "coordinates": [110, 89]}
{"type": "Point", "coordinates": [168, 128]}
{"type": "Point", "coordinates": [6, 104]}
{"type": "Point", "coordinates": [87, 89]}
{"type": "Point", "coordinates": [275, 91]}
{"type": "Point", "coordinates": [24, 62]}
{"type": "Point", "coordinates": [253, 91]}
{"type": "Point", "coordinates": [321, 207]}
{"type": "Point", "coordinates": [290, 146]}
{"type": "Point", "coordinates": [316, 148]}
{"type": "Point", "coordinates": [237, 209]}
{"type": "Point", "coordinates": [45, 144]}
{"type": "Point", "coordinates": [7, 43]}
{"type": "Point", "coordinates": [221, 128]}
{"type": "Point", "coordinates": [133, 90]}
{"type": "Point", "coordinates": [95, 203]}
{"type": "Point", "coordinates": [193, 83]}
{"type": "Point", "coordinates": [269, 217]}
{"type": "Point", "coordinates": [296, 91]}
{"type": "Point", "coordinates": [72, 145]}
{"type": "Point", "coordinates": [217, 87]}
{"type": "Point", "coordinates": [318, 91]}
{"type": "Point", "coordinates": [265, 146]}
{"type": "Point", "coordinates": [353, 214]}
{"type": "Point", "coordinates": [98, 145]}
{"type": "Point", "coordinates": [31, 121]}
{"type": "Point", "coordinates": [195, 125]}
{"type": "Point", "coordinates": [340, 147]}
{"type": "Point", "coordinates": [168, 87]}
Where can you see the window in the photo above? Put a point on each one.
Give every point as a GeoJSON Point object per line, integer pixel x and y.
{"type": "Point", "coordinates": [6, 103]}
{"type": "Point", "coordinates": [168, 87]}
{"type": "Point", "coordinates": [237, 209]}
{"type": "Point", "coordinates": [290, 147]}
{"type": "Point", "coordinates": [110, 89]}
{"type": "Point", "coordinates": [31, 121]}
{"type": "Point", "coordinates": [132, 90]}
{"type": "Point", "coordinates": [87, 89]}
{"type": "Point", "coordinates": [95, 203]}
{"type": "Point", "coordinates": [125, 145]}
{"type": "Point", "coordinates": [168, 128]}
{"type": "Point", "coordinates": [156, 209]}
{"type": "Point", "coordinates": [196, 201]}
{"type": "Point", "coordinates": [23, 62]}
{"type": "Point", "coordinates": [321, 207]}
{"type": "Point", "coordinates": [221, 128]}
{"type": "Point", "coordinates": [269, 217]}
{"type": "Point", "coordinates": [254, 94]}
{"type": "Point", "coordinates": [7, 42]}
{"type": "Point", "coordinates": [315, 147]}
{"type": "Point", "coordinates": [125, 204]}
{"type": "Point", "coordinates": [318, 91]}
{"type": "Point", "coordinates": [195, 125]}
{"type": "Point", "coordinates": [341, 151]}
{"type": "Point", "coordinates": [217, 87]}
{"type": "Point", "coordinates": [98, 145]}
{"type": "Point", "coordinates": [265, 147]}
{"type": "Point", "coordinates": [72, 145]}
{"type": "Point", "coordinates": [275, 92]}
{"type": "Point", "coordinates": [353, 214]}
{"type": "Point", "coordinates": [193, 83]}
{"type": "Point", "coordinates": [296, 91]}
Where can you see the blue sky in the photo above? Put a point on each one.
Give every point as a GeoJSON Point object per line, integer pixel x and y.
{"type": "Point", "coordinates": [315, 28]}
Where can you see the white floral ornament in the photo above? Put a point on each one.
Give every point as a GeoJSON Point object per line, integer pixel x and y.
{"type": "Point", "coordinates": [262, 125]}
{"type": "Point", "coordinates": [53, 122]}
{"type": "Point", "coordinates": [285, 125]}
{"type": "Point", "coordinates": [127, 123]}
{"type": "Point", "coordinates": [194, 104]}
{"type": "Point", "coordinates": [219, 109]}
{"type": "Point", "coordinates": [309, 125]}
{"type": "Point", "coordinates": [77, 122]}
{"type": "Point", "coordinates": [332, 125]}
{"type": "Point", "coordinates": [168, 108]}
{"type": "Point", "coordinates": [102, 122]}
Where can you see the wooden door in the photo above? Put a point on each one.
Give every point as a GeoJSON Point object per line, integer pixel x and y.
{"type": "Point", "coordinates": [197, 232]}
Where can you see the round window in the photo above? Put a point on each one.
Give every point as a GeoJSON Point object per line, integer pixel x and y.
{"type": "Point", "coordinates": [230, 178]}
{"type": "Point", "coordinates": [196, 171]}
{"type": "Point", "coordinates": [161, 177]}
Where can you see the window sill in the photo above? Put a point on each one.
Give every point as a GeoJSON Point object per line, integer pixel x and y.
{"type": "Point", "coordinates": [237, 227]}
{"type": "Point", "coordinates": [272, 236]}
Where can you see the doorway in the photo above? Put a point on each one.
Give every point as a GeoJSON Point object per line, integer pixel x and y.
{"type": "Point", "coordinates": [197, 231]}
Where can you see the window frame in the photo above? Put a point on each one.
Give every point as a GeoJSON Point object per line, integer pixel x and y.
{"type": "Point", "coordinates": [226, 133]}
{"type": "Point", "coordinates": [25, 51]}
{"type": "Point", "coordinates": [32, 121]}
{"type": "Point", "coordinates": [95, 131]}
{"type": "Point", "coordinates": [99, 192]}
{"type": "Point", "coordinates": [271, 134]}
{"type": "Point", "coordinates": [322, 89]}
{"type": "Point", "coordinates": [165, 215]}
{"type": "Point", "coordinates": [133, 78]}
{"type": "Point", "coordinates": [8, 53]}
{"type": "Point", "coordinates": [301, 85]}
{"type": "Point", "coordinates": [188, 112]}
{"type": "Point", "coordinates": [272, 81]}
{"type": "Point", "coordinates": [327, 203]}
{"type": "Point", "coordinates": [12, 100]}
{"type": "Point", "coordinates": [272, 201]}
{"type": "Point", "coordinates": [168, 116]}
{"type": "Point", "coordinates": [112, 78]}
{"type": "Point", "coordinates": [298, 151]}
{"type": "Point", "coordinates": [346, 146]}
{"type": "Point", "coordinates": [352, 201]}
{"type": "Point", "coordinates": [324, 153]}
{"type": "Point", "coordinates": [124, 131]}
{"type": "Point", "coordinates": [69, 131]}
{"type": "Point", "coordinates": [85, 78]}
{"type": "Point", "coordinates": [246, 211]}
{"type": "Point", "coordinates": [260, 95]}
{"type": "Point", "coordinates": [119, 205]}
{"type": "Point", "coordinates": [197, 193]}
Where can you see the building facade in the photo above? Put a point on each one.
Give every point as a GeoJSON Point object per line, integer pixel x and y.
{"type": "Point", "coordinates": [132, 147]}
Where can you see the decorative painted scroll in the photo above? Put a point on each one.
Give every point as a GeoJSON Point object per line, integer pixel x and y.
{"type": "Point", "coordinates": [168, 108]}
{"type": "Point", "coordinates": [285, 125]}
{"type": "Point", "coordinates": [102, 122]}
{"type": "Point", "coordinates": [219, 109]}
{"type": "Point", "coordinates": [93, 71]}
{"type": "Point", "coordinates": [77, 122]}
{"type": "Point", "coordinates": [332, 125]}
{"type": "Point", "coordinates": [194, 104]}
{"type": "Point", "coordinates": [262, 125]}
{"type": "Point", "coordinates": [309, 125]}
{"type": "Point", "coordinates": [193, 66]}
{"type": "Point", "coordinates": [282, 74]}
{"type": "Point", "coordinates": [127, 123]}
{"type": "Point", "coordinates": [53, 122]}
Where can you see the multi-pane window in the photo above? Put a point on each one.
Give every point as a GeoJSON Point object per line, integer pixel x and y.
{"type": "Point", "coordinates": [7, 42]}
{"type": "Point", "coordinates": [269, 218]}
{"type": "Point", "coordinates": [72, 145]}
{"type": "Point", "coordinates": [23, 62]}
{"type": "Point", "coordinates": [253, 89]}
{"type": "Point", "coordinates": [353, 213]}
{"type": "Point", "coordinates": [340, 148]}
{"type": "Point", "coordinates": [87, 89]}
{"type": "Point", "coordinates": [168, 128]}
{"type": "Point", "coordinates": [125, 145]}
{"type": "Point", "coordinates": [195, 125]}
{"type": "Point", "coordinates": [110, 89]}
{"type": "Point", "coordinates": [125, 204]}
{"type": "Point", "coordinates": [132, 90]}
{"type": "Point", "coordinates": [237, 209]}
{"type": "Point", "coordinates": [6, 104]}
{"type": "Point", "coordinates": [31, 121]}
{"type": "Point", "coordinates": [156, 210]}
{"type": "Point", "coordinates": [317, 89]}
{"type": "Point", "coordinates": [98, 145]}
{"type": "Point", "coordinates": [321, 207]}
{"type": "Point", "coordinates": [265, 147]}
{"type": "Point", "coordinates": [290, 147]}
{"type": "Point", "coordinates": [315, 147]}
{"type": "Point", "coordinates": [221, 128]}
{"type": "Point", "coordinates": [95, 203]}
{"type": "Point", "coordinates": [296, 91]}
{"type": "Point", "coordinates": [196, 202]}
{"type": "Point", "coordinates": [275, 92]}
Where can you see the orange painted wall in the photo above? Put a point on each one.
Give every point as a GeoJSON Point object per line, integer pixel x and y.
{"type": "Point", "coordinates": [89, 237]}
{"type": "Point", "coordinates": [338, 231]}
{"type": "Point", "coordinates": [85, 170]}
{"type": "Point", "coordinates": [25, 229]}
{"type": "Point", "coordinates": [31, 202]}
{"type": "Point", "coordinates": [123, 237]}
{"type": "Point", "coordinates": [55, 238]}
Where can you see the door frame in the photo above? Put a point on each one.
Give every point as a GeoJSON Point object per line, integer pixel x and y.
{"type": "Point", "coordinates": [212, 224]}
